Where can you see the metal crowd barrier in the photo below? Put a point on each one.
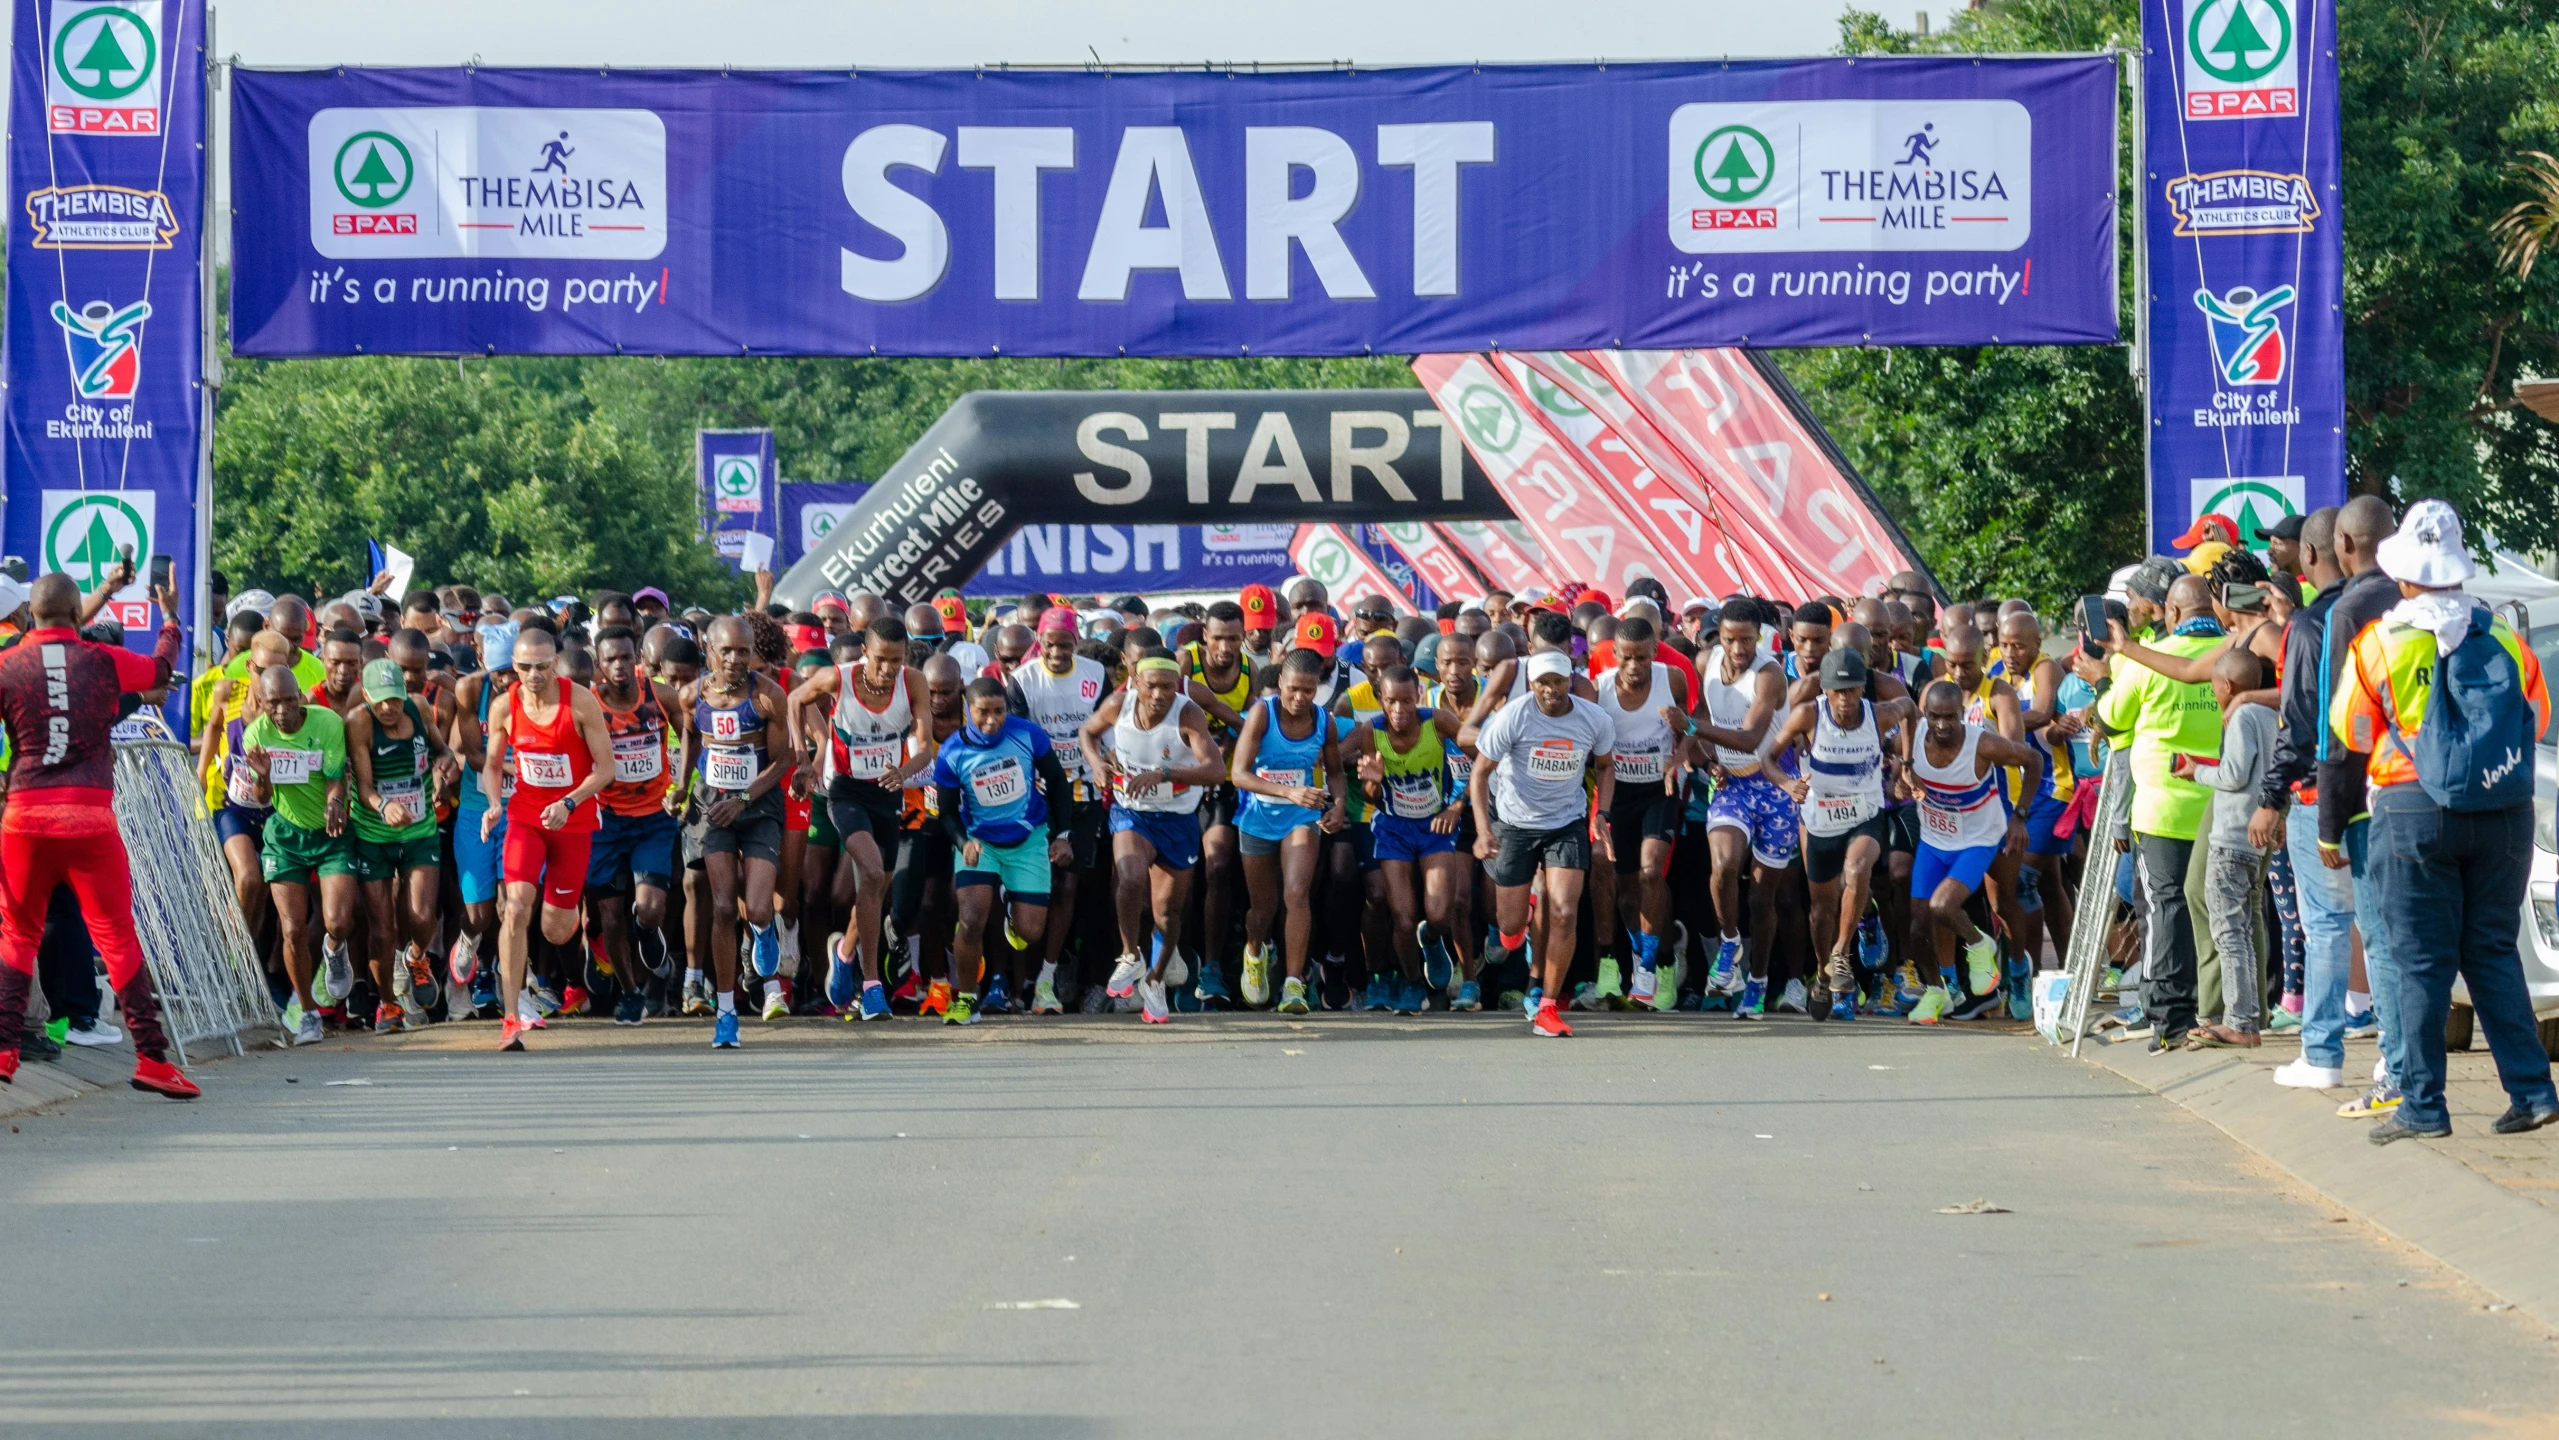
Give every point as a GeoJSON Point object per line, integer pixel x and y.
{"type": "Point", "coordinates": [2086, 962]}
{"type": "Point", "coordinates": [202, 959]}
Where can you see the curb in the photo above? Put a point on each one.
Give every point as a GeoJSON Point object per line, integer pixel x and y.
{"type": "Point", "coordinates": [74, 1073]}
{"type": "Point", "coordinates": [2500, 1240]}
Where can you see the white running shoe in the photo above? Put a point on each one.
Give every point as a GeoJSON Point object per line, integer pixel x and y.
{"type": "Point", "coordinates": [1177, 971]}
{"type": "Point", "coordinates": [1792, 998]}
{"type": "Point", "coordinates": [2302, 1075]}
{"type": "Point", "coordinates": [464, 962]}
{"type": "Point", "coordinates": [1124, 977]}
{"type": "Point", "coordinates": [309, 1031]}
{"type": "Point", "coordinates": [1257, 976]}
{"type": "Point", "coordinates": [340, 968]}
{"type": "Point", "coordinates": [98, 1033]}
{"type": "Point", "coordinates": [1158, 1009]}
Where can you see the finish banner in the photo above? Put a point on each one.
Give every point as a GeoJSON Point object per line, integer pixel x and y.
{"type": "Point", "coordinates": [1888, 200]}
{"type": "Point", "coordinates": [2247, 354]}
{"type": "Point", "coordinates": [740, 515]}
{"type": "Point", "coordinates": [105, 349]}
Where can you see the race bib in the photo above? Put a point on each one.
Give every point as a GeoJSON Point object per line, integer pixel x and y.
{"type": "Point", "coordinates": [1642, 767]}
{"type": "Point", "coordinates": [506, 785]}
{"type": "Point", "coordinates": [1412, 797]}
{"type": "Point", "coordinates": [638, 759]}
{"type": "Point", "coordinates": [999, 784]}
{"type": "Point", "coordinates": [872, 759]}
{"type": "Point", "coordinates": [729, 769]}
{"type": "Point", "coordinates": [243, 787]}
{"type": "Point", "coordinates": [1836, 814]}
{"type": "Point", "coordinates": [724, 725]}
{"type": "Point", "coordinates": [409, 793]}
{"type": "Point", "coordinates": [1461, 767]}
{"type": "Point", "coordinates": [1284, 777]}
{"type": "Point", "coordinates": [1556, 760]}
{"type": "Point", "coordinates": [543, 771]}
{"type": "Point", "coordinates": [293, 767]}
{"type": "Point", "coordinates": [1070, 751]}
{"type": "Point", "coordinates": [1939, 822]}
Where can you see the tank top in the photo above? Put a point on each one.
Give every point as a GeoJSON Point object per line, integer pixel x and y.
{"type": "Point", "coordinates": [240, 785]}
{"type": "Point", "coordinates": [1156, 747]}
{"type": "Point", "coordinates": [400, 778]}
{"type": "Point", "coordinates": [471, 799]}
{"type": "Point", "coordinates": [732, 741]}
{"type": "Point", "coordinates": [2058, 782]}
{"type": "Point", "coordinates": [640, 775]}
{"type": "Point", "coordinates": [1958, 811]}
{"type": "Point", "coordinates": [1417, 784]}
{"type": "Point", "coordinates": [1977, 711]}
{"type": "Point", "coordinates": [1285, 761]}
{"type": "Point", "coordinates": [1844, 772]}
{"type": "Point", "coordinates": [1461, 766]}
{"type": "Point", "coordinates": [550, 761]}
{"type": "Point", "coordinates": [1060, 704]}
{"type": "Point", "coordinates": [1728, 705]}
{"type": "Point", "coordinates": [867, 744]}
{"type": "Point", "coordinates": [1643, 736]}
{"type": "Point", "coordinates": [1234, 696]}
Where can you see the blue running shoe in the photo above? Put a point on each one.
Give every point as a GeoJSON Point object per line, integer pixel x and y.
{"type": "Point", "coordinates": [1470, 996]}
{"type": "Point", "coordinates": [995, 1001]}
{"type": "Point", "coordinates": [1872, 952]}
{"type": "Point", "coordinates": [1535, 997]}
{"type": "Point", "coordinates": [768, 950]}
{"type": "Point", "coordinates": [1728, 958]}
{"type": "Point", "coordinates": [1437, 963]}
{"type": "Point", "coordinates": [1753, 1004]}
{"type": "Point", "coordinates": [724, 1031]}
{"type": "Point", "coordinates": [1380, 996]}
{"type": "Point", "coordinates": [1213, 994]}
{"type": "Point", "coordinates": [2021, 990]}
{"type": "Point", "coordinates": [843, 982]}
{"type": "Point", "coordinates": [875, 1001]}
{"type": "Point", "coordinates": [1843, 1007]}
{"type": "Point", "coordinates": [484, 988]}
{"type": "Point", "coordinates": [1411, 998]}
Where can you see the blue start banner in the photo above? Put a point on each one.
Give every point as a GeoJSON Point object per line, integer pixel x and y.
{"type": "Point", "coordinates": [1900, 200]}
{"type": "Point", "coordinates": [1103, 560]}
{"type": "Point", "coordinates": [739, 513]}
{"type": "Point", "coordinates": [2246, 333]}
{"type": "Point", "coordinates": [104, 406]}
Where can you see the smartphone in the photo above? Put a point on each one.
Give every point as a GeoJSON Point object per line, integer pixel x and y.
{"type": "Point", "coordinates": [2092, 625]}
{"type": "Point", "coordinates": [15, 567]}
{"type": "Point", "coordinates": [164, 568]}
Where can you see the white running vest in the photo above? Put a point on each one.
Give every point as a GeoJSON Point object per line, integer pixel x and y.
{"type": "Point", "coordinates": [868, 743]}
{"type": "Point", "coordinates": [1959, 810]}
{"type": "Point", "coordinates": [1728, 705]}
{"type": "Point", "coordinates": [1843, 772]}
{"type": "Point", "coordinates": [1644, 738]}
{"type": "Point", "coordinates": [1157, 747]}
{"type": "Point", "coordinates": [1060, 704]}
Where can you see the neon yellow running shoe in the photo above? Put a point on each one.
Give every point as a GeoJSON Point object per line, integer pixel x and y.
{"type": "Point", "coordinates": [1257, 975]}
{"type": "Point", "coordinates": [1932, 1006]}
{"type": "Point", "coordinates": [1981, 966]}
{"type": "Point", "coordinates": [1610, 994]}
{"type": "Point", "coordinates": [963, 1010]}
{"type": "Point", "coordinates": [1293, 998]}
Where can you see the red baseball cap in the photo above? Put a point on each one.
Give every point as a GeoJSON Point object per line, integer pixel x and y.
{"type": "Point", "coordinates": [955, 613]}
{"type": "Point", "coordinates": [1058, 617]}
{"type": "Point", "coordinates": [2210, 525]}
{"type": "Point", "coordinates": [1261, 608]}
{"type": "Point", "coordinates": [1315, 631]}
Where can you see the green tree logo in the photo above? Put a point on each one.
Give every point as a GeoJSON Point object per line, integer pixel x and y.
{"type": "Point", "coordinates": [1328, 561]}
{"type": "Point", "coordinates": [85, 539]}
{"type": "Point", "coordinates": [1734, 164]}
{"type": "Point", "coordinates": [737, 476]}
{"type": "Point", "coordinates": [106, 53]}
{"type": "Point", "coordinates": [2234, 46]}
{"type": "Point", "coordinates": [1488, 417]}
{"type": "Point", "coordinates": [373, 169]}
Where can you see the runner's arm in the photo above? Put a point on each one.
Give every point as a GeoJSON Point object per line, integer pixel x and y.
{"type": "Point", "coordinates": [777, 763]}
{"type": "Point", "coordinates": [206, 759]}
{"type": "Point", "coordinates": [1996, 749]}
{"type": "Point", "coordinates": [1769, 690]}
{"type": "Point", "coordinates": [1248, 751]}
{"type": "Point", "coordinates": [493, 762]}
{"type": "Point", "coordinates": [1223, 713]}
{"type": "Point", "coordinates": [815, 688]}
{"type": "Point", "coordinates": [360, 758]}
{"type": "Point", "coordinates": [599, 749]}
{"type": "Point", "coordinates": [920, 701]}
{"type": "Point", "coordinates": [1098, 761]}
{"type": "Point", "coordinates": [1055, 788]}
{"type": "Point", "coordinates": [1209, 767]}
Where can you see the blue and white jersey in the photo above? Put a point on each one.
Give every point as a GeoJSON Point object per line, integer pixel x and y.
{"type": "Point", "coordinates": [1959, 810]}
{"type": "Point", "coordinates": [998, 780]}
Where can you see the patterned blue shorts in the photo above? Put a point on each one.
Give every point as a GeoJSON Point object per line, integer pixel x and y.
{"type": "Point", "coordinates": [1755, 806]}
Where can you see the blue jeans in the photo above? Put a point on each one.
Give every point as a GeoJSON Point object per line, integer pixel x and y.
{"type": "Point", "coordinates": [2453, 884]}
{"type": "Point", "coordinates": [2379, 972]}
{"type": "Point", "coordinates": [2327, 910]}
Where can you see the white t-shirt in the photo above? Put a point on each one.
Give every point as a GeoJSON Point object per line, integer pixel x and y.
{"type": "Point", "coordinates": [1542, 761]}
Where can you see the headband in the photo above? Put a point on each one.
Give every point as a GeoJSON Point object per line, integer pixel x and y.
{"type": "Point", "coordinates": [1156, 662]}
{"type": "Point", "coordinates": [1548, 662]}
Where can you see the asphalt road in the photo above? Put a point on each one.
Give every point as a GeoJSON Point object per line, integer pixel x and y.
{"type": "Point", "coordinates": [1346, 1227]}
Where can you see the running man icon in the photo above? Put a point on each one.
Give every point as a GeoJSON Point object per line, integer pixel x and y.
{"type": "Point", "coordinates": [1920, 141]}
{"type": "Point", "coordinates": [555, 155]}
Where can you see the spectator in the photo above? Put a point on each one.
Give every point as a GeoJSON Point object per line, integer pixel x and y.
{"type": "Point", "coordinates": [2344, 827]}
{"type": "Point", "coordinates": [2238, 864]}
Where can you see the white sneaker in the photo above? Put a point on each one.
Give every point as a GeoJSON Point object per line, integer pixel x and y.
{"type": "Point", "coordinates": [527, 1013]}
{"type": "Point", "coordinates": [464, 961]}
{"type": "Point", "coordinates": [98, 1033]}
{"type": "Point", "coordinates": [1792, 998]}
{"type": "Point", "coordinates": [340, 969]}
{"type": "Point", "coordinates": [2380, 1070]}
{"type": "Point", "coordinates": [309, 1032]}
{"type": "Point", "coordinates": [2302, 1075]}
{"type": "Point", "coordinates": [1177, 971]}
{"type": "Point", "coordinates": [1158, 1010]}
{"type": "Point", "coordinates": [1257, 977]}
{"type": "Point", "coordinates": [1124, 978]}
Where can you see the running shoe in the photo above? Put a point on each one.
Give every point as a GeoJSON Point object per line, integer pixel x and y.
{"type": "Point", "coordinates": [1585, 997]}
{"type": "Point", "coordinates": [1470, 997]}
{"type": "Point", "coordinates": [1293, 997]}
{"type": "Point", "coordinates": [307, 1030]}
{"type": "Point", "coordinates": [2363, 1026]}
{"type": "Point", "coordinates": [1381, 994]}
{"type": "Point", "coordinates": [1012, 936]}
{"type": "Point", "coordinates": [1792, 999]}
{"type": "Point", "coordinates": [1176, 968]}
{"type": "Point", "coordinates": [1043, 999]}
{"type": "Point", "coordinates": [1212, 991]}
{"type": "Point", "coordinates": [907, 998]}
{"type": "Point", "coordinates": [1094, 1002]}
{"type": "Point", "coordinates": [528, 1010]}
{"type": "Point", "coordinates": [1124, 977]}
{"type": "Point", "coordinates": [1529, 1002]}
{"type": "Point", "coordinates": [875, 1003]}
{"type": "Point", "coordinates": [1548, 1023]}
{"type": "Point", "coordinates": [1515, 1000]}
{"type": "Point", "coordinates": [159, 1077]}
{"type": "Point", "coordinates": [1724, 974]}
{"type": "Point", "coordinates": [422, 987]}
{"type": "Point", "coordinates": [724, 1031]}
{"type": "Point", "coordinates": [1754, 1002]}
{"type": "Point", "coordinates": [1610, 992]}
{"type": "Point", "coordinates": [962, 1011]}
{"type": "Point", "coordinates": [464, 961]}
{"type": "Point", "coordinates": [339, 967]}
{"type": "Point", "coordinates": [1872, 952]}
{"type": "Point", "coordinates": [545, 1004]}
{"type": "Point", "coordinates": [1411, 998]}
{"type": "Point", "coordinates": [573, 1000]}
{"type": "Point", "coordinates": [996, 1000]}
{"type": "Point", "coordinates": [1158, 1010]}
{"type": "Point", "coordinates": [1992, 1006]}
{"type": "Point", "coordinates": [2381, 1099]}
{"type": "Point", "coordinates": [1644, 983]}
{"type": "Point", "coordinates": [632, 1008]}
{"type": "Point", "coordinates": [2021, 990]}
{"type": "Point", "coordinates": [511, 1034]}
{"type": "Point", "coordinates": [843, 977]}
{"type": "Point", "coordinates": [1666, 997]}
{"type": "Point", "coordinates": [1437, 963]}
{"type": "Point", "coordinates": [484, 990]}
{"type": "Point", "coordinates": [1931, 1007]}
{"type": "Point", "coordinates": [649, 946]}
{"type": "Point", "coordinates": [92, 1035]}
{"type": "Point", "coordinates": [1257, 975]}
{"type": "Point", "coordinates": [697, 995]}
{"type": "Point", "coordinates": [1843, 1005]}
{"type": "Point", "coordinates": [1981, 966]}
{"type": "Point", "coordinates": [56, 1030]}
{"type": "Point", "coordinates": [777, 1003]}
{"type": "Point", "coordinates": [386, 1018]}
{"type": "Point", "coordinates": [767, 945]}
{"type": "Point", "coordinates": [937, 1001]}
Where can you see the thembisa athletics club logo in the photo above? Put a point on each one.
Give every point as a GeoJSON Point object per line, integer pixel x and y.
{"type": "Point", "coordinates": [2241, 59]}
{"type": "Point", "coordinates": [102, 68]}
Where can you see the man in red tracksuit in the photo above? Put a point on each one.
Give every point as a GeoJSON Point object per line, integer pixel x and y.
{"type": "Point", "coordinates": [58, 696]}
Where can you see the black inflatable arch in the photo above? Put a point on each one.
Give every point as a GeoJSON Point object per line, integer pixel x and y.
{"type": "Point", "coordinates": [1001, 459]}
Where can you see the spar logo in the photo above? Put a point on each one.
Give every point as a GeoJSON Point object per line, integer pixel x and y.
{"type": "Point", "coordinates": [2240, 59]}
{"type": "Point", "coordinates": [86, 532]}
{"type": "Point", "coordinates": [737, 484]}
{"type": "Point", "coordinates": [2247, 333]}
{"type": "Point", "coordinates": [1490, 419]}
{"type": "Point", "coordinates": [1553, 398]}
{"type": "Point", "coordinates": [102, 68]}
{"type": "Point", "coordinates": [1328, 561]}
{"type": "Point", "coordinates": [105, 346]}
{"type": "Point", "coordinates": [374, 171]}
{"type": "Point", "coordinates": [1734, 165]}
{"type": "Point", "coordinates": [2252, 503]}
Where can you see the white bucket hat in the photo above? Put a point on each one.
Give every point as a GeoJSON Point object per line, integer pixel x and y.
{"type": "Point", "coordinates": [2427, 551]}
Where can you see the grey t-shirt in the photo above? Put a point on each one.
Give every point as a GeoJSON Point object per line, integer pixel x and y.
{"type": "Point", "coordinates": [1542, 760]}
{"type": "Point", "coordinates": [2247, 747]}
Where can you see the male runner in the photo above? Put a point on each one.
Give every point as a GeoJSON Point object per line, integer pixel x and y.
{"type": "Point", "coordinates": [477, 847]}
{"type": "Point", "coordinates": [1964, 824]}
{"type": "Point", "coordinates": [1152, 746]}
{"type": "Point", "coordinates": [2038, 678]}
{"type": "Point", "coordinates": [631, 861]}
{"type": "Point", "coordinates": [239, 820]}
{"type": "Point", "coordinates": [1750, 821]}
{"type": "Point", "coordinates": [922, 906]}
{"type": "Point", "coordinates": [1286, 745]}
{"type": "Point", "coordinates": [1219, 671]}
{"type": "Point", "coordinates": [998, 825]}
{"type": "Point", "coordinates": [58, 700]}
{"type": "Point", "coordinates": [562, 758]}
{"type": "Point", "coordinates": [1648, 703]}
{"type": "Point", "coordinates": [1402, 758]}
{"type": "Point", "coordinates": [734, 836]}
{"type": "Point", "coordinates": [1841, 735]}
{"type": "Point", "coordinates": [399, 859]}
{"type": "Point", "coordinates": [296, 752]}
{"type": "Point", "coordinates": [1058, 691]}
{"type": "Point", "coordinates": [1531, 812]}
{"type": "Point", "coordinates": [1992, 703]}
{"type": "Point", "coordinates": [878, 736]}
